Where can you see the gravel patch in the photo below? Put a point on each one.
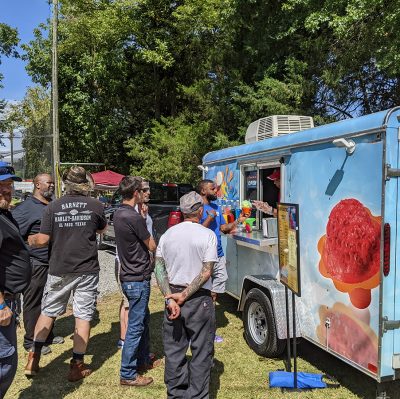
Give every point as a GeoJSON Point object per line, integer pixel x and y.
{"type": "Point", "coordinates": [107, 282]}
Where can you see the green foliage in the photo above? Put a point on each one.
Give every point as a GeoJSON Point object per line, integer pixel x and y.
{"type": "Point", "coordinates": [169, 151]}
{"type": "Point", "coordinates": [33, 116]}
{"type": "Point", "coordinates": [150, 86]}
{"type": "Point", "coordinates": [8, 42]}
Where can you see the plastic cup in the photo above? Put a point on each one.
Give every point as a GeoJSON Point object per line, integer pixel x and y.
{"type": "Point", "coordinates": [246, 211]}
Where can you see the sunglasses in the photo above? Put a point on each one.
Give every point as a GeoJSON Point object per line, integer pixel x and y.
{"type": "Point", "coordinates": [7, 170]}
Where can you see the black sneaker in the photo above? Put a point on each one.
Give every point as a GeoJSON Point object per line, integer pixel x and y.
{"type": "Point", "coordinates": [45, 350]}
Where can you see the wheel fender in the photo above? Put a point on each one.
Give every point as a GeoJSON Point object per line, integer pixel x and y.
{"type": "Point", "coordinates": [276, 293]}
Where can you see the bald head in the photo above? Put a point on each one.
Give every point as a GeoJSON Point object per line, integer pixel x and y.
{"type": "Point", "coordinates": [43, 187]}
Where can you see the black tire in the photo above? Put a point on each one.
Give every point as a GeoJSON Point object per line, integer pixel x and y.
{"type": "Point", "coordinates": [259, 325]}
{"type": "Point", "coordinates": [99, 239]}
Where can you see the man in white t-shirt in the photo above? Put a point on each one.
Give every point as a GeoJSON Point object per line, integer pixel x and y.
{"type": "Point", "coordinates": [185, 258]}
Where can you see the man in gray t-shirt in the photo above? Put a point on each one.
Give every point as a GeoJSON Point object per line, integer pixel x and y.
{"type": "Point", "coordinates": [185, 258]}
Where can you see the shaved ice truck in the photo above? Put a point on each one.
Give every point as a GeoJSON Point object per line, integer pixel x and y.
{"type": "Point", "coordinates": [344, 178]}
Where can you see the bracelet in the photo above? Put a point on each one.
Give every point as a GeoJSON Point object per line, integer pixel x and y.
{"type": "Point", "coordinates": [3, 305]}
{"type": "Point", "coordinates": [210, 214]}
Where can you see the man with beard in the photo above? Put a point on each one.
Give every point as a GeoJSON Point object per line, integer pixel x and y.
{"type": "Point", "coordinates": [14, 277]}
{"type": "Point", "coordinates": [29, 216]}
{"type": "Point", "coordinates": [69, 226]}
{"type": "Point", "coordinates": [214, 220]}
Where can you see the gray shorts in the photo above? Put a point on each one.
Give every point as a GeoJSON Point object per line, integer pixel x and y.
{"type": "Point", "coordinates": [84, 293]}
{"type": "Point", "coordinates": [219, 276]}
{"type": "Point", "coordinates": [124, 299]}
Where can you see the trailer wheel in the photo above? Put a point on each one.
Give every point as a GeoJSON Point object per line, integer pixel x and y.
{"type": "Point", "coordinates": [259, 325]}
{"type": "Point", "coordinates": [99, 241]}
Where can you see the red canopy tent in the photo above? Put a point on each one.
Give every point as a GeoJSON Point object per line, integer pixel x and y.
{"type": "Point", "coordinates": [107, 180]}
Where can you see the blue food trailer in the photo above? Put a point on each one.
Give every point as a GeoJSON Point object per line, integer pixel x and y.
{"type": "Point", "coordinates": [344, 178]}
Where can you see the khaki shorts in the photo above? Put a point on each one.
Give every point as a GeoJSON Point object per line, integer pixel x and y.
{"type": "Point", "coordinates": [219, 276]}
{"type": "Point", "coordinates": [84, 293]}
{"type": "Point", "coordinates": [124, 299]}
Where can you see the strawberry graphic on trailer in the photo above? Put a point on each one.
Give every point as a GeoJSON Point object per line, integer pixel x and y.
{"type": "Point", "coordinates": [350, 250]}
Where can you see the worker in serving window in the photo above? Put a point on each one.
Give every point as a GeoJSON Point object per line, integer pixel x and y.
{"type": "Point", "coordinates": [275, 177]}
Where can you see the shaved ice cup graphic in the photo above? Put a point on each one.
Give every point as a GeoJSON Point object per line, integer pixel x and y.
{"type": "Point", "coordinates": [349, 335]}
{"type": "Point", "coordinates": [359, 284]}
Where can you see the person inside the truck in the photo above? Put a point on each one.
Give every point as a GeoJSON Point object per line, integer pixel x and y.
{"type": "Point", "coordinates": [213, 219]}
{"type": "Point", "coordinates": [265, 207]}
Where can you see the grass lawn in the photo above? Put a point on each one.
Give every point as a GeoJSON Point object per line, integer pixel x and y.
{"type": "Point", "coordinates": [238, 371]}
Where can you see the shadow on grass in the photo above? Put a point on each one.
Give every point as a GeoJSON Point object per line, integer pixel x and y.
{"type": "Point", "coordinates": [56, 371]}
{"type": "Point", "coordinates": [225, 303]}
{"type": "Point", "coordinates": [349, 377]}
{"type": "Point", "coordinates": [216, 373]}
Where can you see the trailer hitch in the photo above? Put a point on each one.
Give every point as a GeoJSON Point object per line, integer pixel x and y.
{"type": "Point", "coordinates": [391, 172]}
{"type": "Point", "coordinates": [389, 324]}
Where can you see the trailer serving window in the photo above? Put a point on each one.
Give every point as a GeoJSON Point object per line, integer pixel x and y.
{"type": "Point", "coordinates": [257, 185]}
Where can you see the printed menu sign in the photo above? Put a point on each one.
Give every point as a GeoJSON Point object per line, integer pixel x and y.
{"type": "Point", "coordinates": [288, 242]}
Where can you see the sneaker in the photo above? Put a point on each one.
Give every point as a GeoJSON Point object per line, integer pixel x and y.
{"type": "Point", "coordinates": [218, 339]}
{"type": "Point", "coordinates": [139, 381]}
{"type": "Point", "coordinates": [32, 367]}
{"type": "Point", "coordinates": [78, 370]}
{"type": "Point", "coordinates": [44, 351]}
{"type": "Point", "coordinates": [120, 343]}
{"type": "Point", "coordinates": [150, 366]}
{"type": "Point", "coordinates": [56, 341]}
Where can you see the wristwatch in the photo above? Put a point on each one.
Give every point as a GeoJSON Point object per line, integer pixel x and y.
{"type": "Point", "coordinates": [167, 301]}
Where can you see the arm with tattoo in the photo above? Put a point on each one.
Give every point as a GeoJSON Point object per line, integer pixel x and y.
{"type": "Point", "coordinates": [162, 277]}
{"type": "Point", "coordinates": [163, 282]}
{"type": "Point", "coordinates": [195, 285]}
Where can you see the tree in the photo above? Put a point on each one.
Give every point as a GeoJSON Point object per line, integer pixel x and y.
{"type": "Point", "coordinates": [8, 42]}
{"type": "Point", "coordinates": [33, 119]}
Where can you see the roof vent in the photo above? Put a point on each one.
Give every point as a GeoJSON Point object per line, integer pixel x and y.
{"type": "Point", "coordinates": [277, 125]}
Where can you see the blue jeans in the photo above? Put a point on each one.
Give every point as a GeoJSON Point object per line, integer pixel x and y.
{"type": "Point", "coordinates": [136, 347]}
{"type": "Point", "coordinates": [8, 351]}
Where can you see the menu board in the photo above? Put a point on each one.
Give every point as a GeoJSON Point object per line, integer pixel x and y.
{"type": "Point", "coordinates": [288, 244]}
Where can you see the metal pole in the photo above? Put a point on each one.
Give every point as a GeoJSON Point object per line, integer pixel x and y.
{"type": "Point", "coordinates": [289, 363]}
{"type": "Point", "coordinates": [12, 147]}
{"type": "Point", "coordinates": [54, 92]}
{"type": "Point", "coordinates": [294, 340]}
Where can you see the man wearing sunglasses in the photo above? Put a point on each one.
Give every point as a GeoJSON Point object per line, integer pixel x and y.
{"type": "Point", "coordinates": [133, 244]}
{"type": "Point", "coordinates": [14, 277]}
{"type": "Point", "coordinates": [142, 209]}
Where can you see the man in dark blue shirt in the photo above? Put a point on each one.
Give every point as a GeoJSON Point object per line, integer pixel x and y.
{"type": "Point", "coordinates": [29, 216]}
{"type": "Point", "coordinates": [14, 277]}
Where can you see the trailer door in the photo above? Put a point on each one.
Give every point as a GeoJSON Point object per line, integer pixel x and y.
{"type": "Point", "coordinates": [390, 285]}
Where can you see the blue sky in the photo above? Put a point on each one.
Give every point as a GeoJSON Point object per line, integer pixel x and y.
{"type": "Point", "coordinates": [25, 15]}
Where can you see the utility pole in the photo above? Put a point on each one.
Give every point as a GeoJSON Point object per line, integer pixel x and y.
{"type": "Point", "coordinates": [12, 146]}
{"type": "Point", "coordinates": [54, 92]}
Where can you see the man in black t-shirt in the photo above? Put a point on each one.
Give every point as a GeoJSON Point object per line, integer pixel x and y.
{"type": "Point", "coordinates": [14, 277]}
{"type": "Point", "coordinates": [69, 227]}
{"type": "Point", "coordinates": [28, 215]}
{"type": "Point", "coordinates": [133, 244]}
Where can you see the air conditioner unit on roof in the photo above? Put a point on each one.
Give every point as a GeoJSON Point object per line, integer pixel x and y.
{"type": "Point", "coordinates": [277, 125]}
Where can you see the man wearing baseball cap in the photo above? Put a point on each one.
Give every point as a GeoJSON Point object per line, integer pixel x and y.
{"type": "Point", "coordinates": [185, 259]}
{"type": "Point", "coordinates": [275, 177]}
{"type": "Point", "coordinates": [14, 277]}
{"type": "Point", "coordinates": [69, 226]}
